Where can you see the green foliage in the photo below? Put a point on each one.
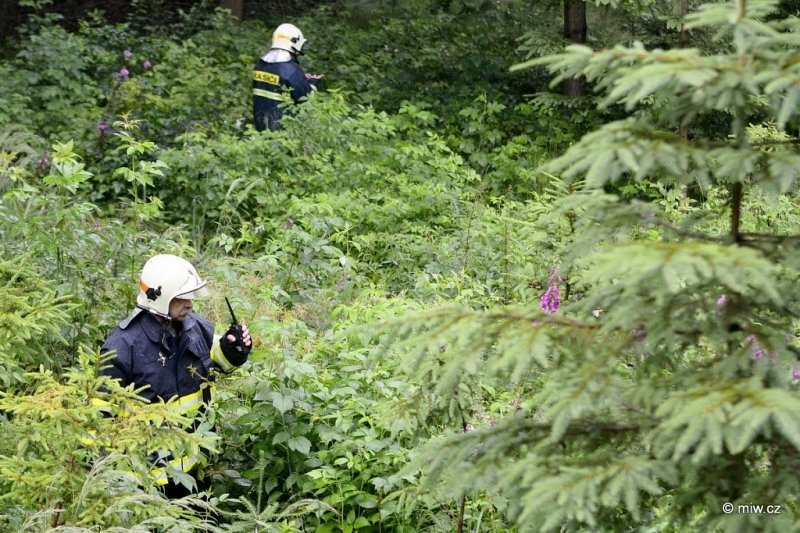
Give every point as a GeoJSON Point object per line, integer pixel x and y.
{"type": "Point", "coordinates": [73, 268]}
{"type": "Point", "coordinates": [391, 250]}
{"type": "Point", "coordinates": [665, 386]}
{"type": "Point", "coordinates": [32, 320]}
{"type": "Point", "coordinates": [63, 463]}
{"type": "Point", "coordinates": [309, 420]}
{"type": "Point", "coordinates": [297, 199]}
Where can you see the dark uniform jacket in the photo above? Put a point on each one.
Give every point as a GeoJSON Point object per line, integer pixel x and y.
{"type": "Point", "coordinates": [269, 80]}
{"type": "Point", "coordinates": [170, 365]}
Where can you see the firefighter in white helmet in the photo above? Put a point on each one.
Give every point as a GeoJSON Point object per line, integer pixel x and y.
{"type": "Point", "coordinates": [277, 71]}
{"type": "Point", "coordinates": [171, 351]}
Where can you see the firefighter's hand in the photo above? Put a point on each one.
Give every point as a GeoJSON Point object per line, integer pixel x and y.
{"type": "Point", "coordinates": [310, 76]}
{"type": "Point", "coordinates": [236, 344]}
{"type": "Point", "coordinates": [246, 340]}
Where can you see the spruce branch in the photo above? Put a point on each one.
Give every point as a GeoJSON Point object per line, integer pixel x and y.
{"type": "Point", "coordinates": [681, 232]}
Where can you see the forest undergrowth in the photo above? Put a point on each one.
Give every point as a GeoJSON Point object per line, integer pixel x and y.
{"type": "Point", "coordinates": [477, 305]}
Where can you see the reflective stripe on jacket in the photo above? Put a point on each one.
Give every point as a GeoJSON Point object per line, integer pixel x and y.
{"type": "Point", "coordinates": [175, 368]}
{"type": "Point", "coordinates": [269, 80]}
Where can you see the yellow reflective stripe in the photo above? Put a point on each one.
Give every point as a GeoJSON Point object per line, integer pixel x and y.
{"type": "Point", "coordinates": [102, 406]}
{"type": "Point", "coordinates": [97, 402]}
{"type": "Point", "coordinates": [268, 94]}
{"type": "Point", "coordinates": [186, 403]}
{"type": "Point", "coordinates": [184, 464]}
{"type": "Point", "coordinates": [108, 407]}
{"type": "Point", "coordinates": [91, 439]}
{"type": "Point", "coordinates": [219, 358]}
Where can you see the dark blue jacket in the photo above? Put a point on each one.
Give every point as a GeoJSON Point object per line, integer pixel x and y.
{"type": "Point", "coordinates": [170, 365]}
{"type": "Point", "coordinates": [269, 81]}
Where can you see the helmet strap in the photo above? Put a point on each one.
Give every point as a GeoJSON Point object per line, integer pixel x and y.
{"type": "Point", "coordinates": [155, 313]}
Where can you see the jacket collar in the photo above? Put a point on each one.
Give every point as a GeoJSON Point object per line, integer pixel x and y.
{"type": "Point", "coordinates": [154, 329]}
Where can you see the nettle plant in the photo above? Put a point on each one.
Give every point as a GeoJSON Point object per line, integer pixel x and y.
{"type": "Point", "coordinates": [665, 387]}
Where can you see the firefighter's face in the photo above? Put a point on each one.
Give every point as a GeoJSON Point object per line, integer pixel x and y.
{"type": "Point", "coordinates": [179, 308]}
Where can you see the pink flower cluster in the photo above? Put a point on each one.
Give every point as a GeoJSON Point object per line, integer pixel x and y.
{"type": "Point", "coordinates": [551, 299]}
{"type": "Point", "coordinates": [758, 350]}
{"type": "Point", "coordinates": [124, 74]}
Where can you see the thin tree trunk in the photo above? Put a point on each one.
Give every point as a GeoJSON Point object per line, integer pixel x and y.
{"type": "Point", "coordinates": [235, 7]}
{"type": "Point", "coordinates": [684, 130]}
{"type": "Point", "coordinates": [736, 211]}
{"type": "Point", "coordinates": [575, 32]}
{"type": "Point", "coordinates": [684, 33]}
{"type": "Point", "coordinates": [461, 505]}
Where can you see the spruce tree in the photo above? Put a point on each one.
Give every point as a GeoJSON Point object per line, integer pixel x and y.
{"type": "Point", "coordinates": [663, 389]}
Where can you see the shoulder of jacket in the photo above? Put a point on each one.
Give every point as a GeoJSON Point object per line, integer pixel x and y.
{"type": "Point", "coordinates": [128, 320]}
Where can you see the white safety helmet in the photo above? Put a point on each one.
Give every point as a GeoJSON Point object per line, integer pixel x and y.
{"type": "Point", "coordinates": [165, 277]}
{"type": "Point", "coordinates": [288, 37]}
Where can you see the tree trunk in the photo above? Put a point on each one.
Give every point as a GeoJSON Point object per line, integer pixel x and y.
{"type": "Point", "coordinates": [234, 6]}
{"type": "Point", "coordinates": [684, 131]}
{"type": "Point", "coordinates": [684, 33]}
{"type": "Point", "coordinates": [575, 32]}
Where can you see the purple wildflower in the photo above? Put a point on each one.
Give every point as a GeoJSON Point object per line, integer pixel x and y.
{"type": "Point", "coordinates": [147, 64]}
{"type": "Point", "coordinates": [127, 54]}
{"type": "Point", "coordinates": [722, 300]}
{"type": "Point", "coordinates": [758, 351]}
{"type": "Point", "coordinates": [102, 127]}
{"type": "Point", "coordinates": [43, 162]}
{"type": "Point", "coordinates": [795, 373]}
{"type": "Point", "coordinates": [516, 403]}
{"type": "Point", "coordinates": [551, 299]}
{"type": "Point", "coordinates": [124, 74]}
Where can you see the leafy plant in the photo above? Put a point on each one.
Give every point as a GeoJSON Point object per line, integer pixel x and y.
{"type": "Point", "coordinates": [63, 463]}
{"type": "Point", "coordinates": [667, 389]}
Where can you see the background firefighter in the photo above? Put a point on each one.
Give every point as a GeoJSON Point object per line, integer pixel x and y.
{"type": "Point", "coordinates": [277, 71]}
